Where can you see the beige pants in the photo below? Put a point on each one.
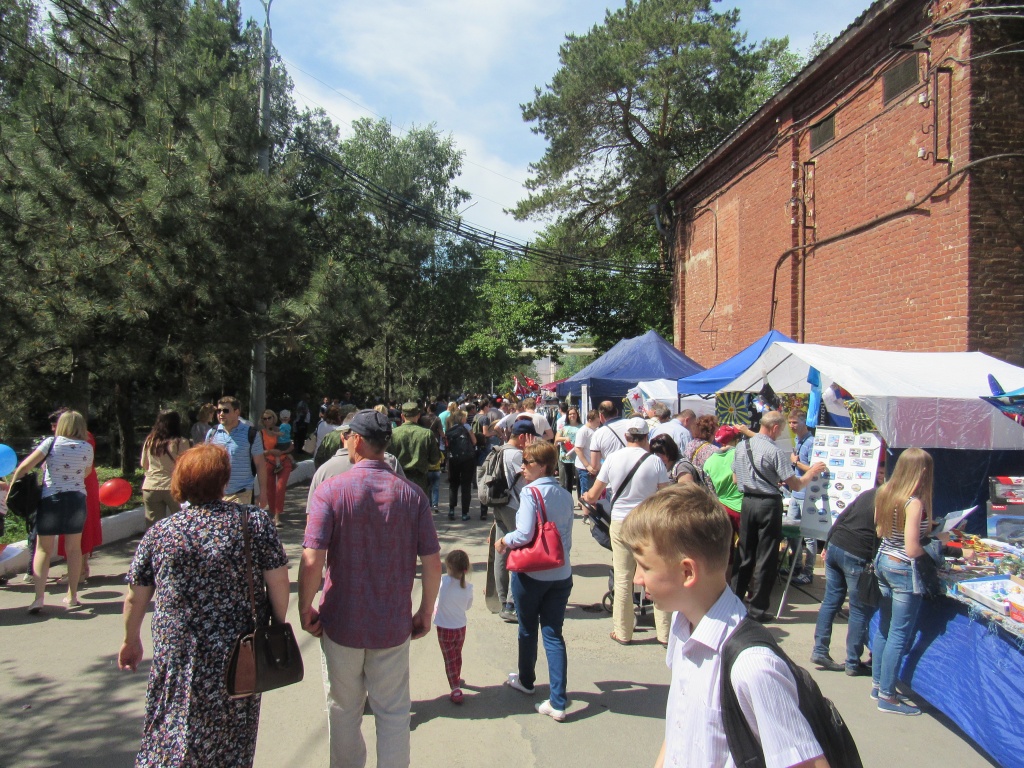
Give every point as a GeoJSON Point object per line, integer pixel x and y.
{"type": "Point", "coordinates": [242, 497]}
{"type": "Point", "coordinates": [622, 607]}
{"type": "Point", "coordinates": [351, 675]}
{"type": "Point", "coordinates": [158, 505]}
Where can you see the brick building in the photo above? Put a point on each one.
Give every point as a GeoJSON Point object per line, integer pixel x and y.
{"type": "Point", "coordinates": [867, 204]}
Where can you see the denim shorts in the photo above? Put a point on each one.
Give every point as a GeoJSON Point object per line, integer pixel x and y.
{"type": "Point", "coordinates": [61, 513]}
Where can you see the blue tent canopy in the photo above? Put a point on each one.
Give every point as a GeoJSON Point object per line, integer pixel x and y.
{"type": "Point", "coordinates": [713, 379]}
{"type": "Point", "coordinates": [631, 360]}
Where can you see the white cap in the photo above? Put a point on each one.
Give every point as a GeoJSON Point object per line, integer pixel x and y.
{"type": "Point", "coordinates": [637, 427]}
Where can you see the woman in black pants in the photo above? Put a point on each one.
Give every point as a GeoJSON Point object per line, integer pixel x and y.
{"type": "Point", "coordinates": [461, 458]}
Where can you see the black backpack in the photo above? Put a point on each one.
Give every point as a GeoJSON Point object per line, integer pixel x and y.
{"type": "Point", "coordinates": [827, 724]}
{"type": "Point", "coordinates": [460, 446]}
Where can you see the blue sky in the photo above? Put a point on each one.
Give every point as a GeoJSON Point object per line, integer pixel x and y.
{"type": "Point", "coordinates": [467, 65]}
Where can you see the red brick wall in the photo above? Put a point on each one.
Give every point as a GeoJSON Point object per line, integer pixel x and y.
{"type": "Point", "coordinates": [904, 283]}
{"type": "Point", "coordinates": [996, 299]}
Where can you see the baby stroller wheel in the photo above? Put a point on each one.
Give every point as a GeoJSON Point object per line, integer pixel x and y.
{"type": "Point", "coordinates": [606, 602]}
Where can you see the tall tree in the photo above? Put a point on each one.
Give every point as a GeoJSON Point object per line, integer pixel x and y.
{"type": "Point", "coordinates": [636, 102]}
{"type": "Point", "coordinates": [145, 232]}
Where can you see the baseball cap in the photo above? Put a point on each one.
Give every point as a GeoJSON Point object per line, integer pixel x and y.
{"type": "Point", "coordinates": [725, 433]}
{"type": "Point", "coordinates": [370, 423]}
{"type": "Point", "coordinates": [637, 427]}
{"type": "Point", "coordinates": [524, 427]}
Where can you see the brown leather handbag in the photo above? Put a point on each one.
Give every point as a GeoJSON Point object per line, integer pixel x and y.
{"type": "Point", "coordinates": [269, 656]}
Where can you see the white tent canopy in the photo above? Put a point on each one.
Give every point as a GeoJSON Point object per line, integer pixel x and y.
{"type": "Point", "coordinates": [923, 399]}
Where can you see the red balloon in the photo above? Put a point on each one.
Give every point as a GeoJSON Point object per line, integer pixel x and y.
{"type": "Point", "coordinates": [115, 492]}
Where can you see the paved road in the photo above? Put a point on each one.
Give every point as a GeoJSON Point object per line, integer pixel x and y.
{"type": "Point", "coordinates": [64, 703]}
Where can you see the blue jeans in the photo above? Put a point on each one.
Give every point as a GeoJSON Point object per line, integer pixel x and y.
{"type": "Point", "coordinates": [841, 573]}
{"type": "Point", "coordinates": [585, 481]}
{"type": "Point", "coordinates": [542, 602]}
{"type": "Point", "coordinates": [434, 481]}
{"type": "Point", "coordinates": [897, 614]}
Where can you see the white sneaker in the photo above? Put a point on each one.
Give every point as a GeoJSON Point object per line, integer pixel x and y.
{"type": "Point", "coordinates": [513, 682]}
{"type": "Point", "coordinates": [545, 708]}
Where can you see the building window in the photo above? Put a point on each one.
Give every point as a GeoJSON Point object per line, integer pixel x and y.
{"type": "Point", "coordinates": [900, 78]}
{"type": "Point", "coordinates": [822, 133]}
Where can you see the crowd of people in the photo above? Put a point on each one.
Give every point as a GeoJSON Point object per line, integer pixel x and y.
{"type": "Point", "coordinates": [693, 514]}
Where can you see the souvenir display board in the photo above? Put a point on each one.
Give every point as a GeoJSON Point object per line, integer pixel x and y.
{"type": "Point", "coordinates": [852, 462]}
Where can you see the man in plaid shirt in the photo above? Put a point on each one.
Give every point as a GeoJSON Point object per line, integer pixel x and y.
{"type": "Point", "coordinates": [368, 527]}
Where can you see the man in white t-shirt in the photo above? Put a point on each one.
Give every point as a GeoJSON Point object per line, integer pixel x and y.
{"type": "Point", "coordinates": [585, 470]}
{"type": "Point", "coordinates": [609, 438]}
{"type": "Point", "coordinates": [631, 475]}
{"type": "Point", "coordinates": [671, 427]}
{"type": "Point", "coordinates": [540, 421]}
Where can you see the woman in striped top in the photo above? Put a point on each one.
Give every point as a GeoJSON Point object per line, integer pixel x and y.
{"type": "Point", "coordinates": [903, 520]}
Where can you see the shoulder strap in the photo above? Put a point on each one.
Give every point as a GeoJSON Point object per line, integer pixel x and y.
{"type": "Point", "coordinates": [248, 565]}
{"type": "Point", "coordinates": [542, 511]}
{"type": "Point", "coordinates": [252, 434]}
{"type": "Point", "coordinates": [621, 441]}
{"type": "Point", "coordinates": [753, 466]}
{"type": "Point", "coordinates": [745, 748]}
{"type": "Point", "coordinates": [629, 477]}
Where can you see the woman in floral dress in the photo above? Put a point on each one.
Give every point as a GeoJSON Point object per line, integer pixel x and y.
{"type": "Point", "coordinates": [194, 561]}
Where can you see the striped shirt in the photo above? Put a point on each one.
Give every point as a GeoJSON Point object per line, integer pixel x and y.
{"type": "Point", "coordinates": [896, 544]}
{"type": "Point", "coordinates": [765, 688]}
{"type": "Point", "coordinates": [236, 442]}
{"type": "Point", "coordinates": [770, 460]}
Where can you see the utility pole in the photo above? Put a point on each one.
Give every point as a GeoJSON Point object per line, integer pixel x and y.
{"type": "Point", "coordinates": [258, 377]}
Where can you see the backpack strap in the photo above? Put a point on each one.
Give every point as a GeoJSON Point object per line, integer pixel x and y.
{"type": "Point", "coordinates": [745, 748]}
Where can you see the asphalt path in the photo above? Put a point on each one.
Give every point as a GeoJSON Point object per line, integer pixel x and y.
{"type": "Point", "coordinates": [63, 702]}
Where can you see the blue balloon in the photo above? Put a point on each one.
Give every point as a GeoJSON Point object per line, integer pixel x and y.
{"type": "Point", "coordinates": [8, 459]}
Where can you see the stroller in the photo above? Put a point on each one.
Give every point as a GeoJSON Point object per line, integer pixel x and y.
{"type": "Point", "coordinates": [599, 518]}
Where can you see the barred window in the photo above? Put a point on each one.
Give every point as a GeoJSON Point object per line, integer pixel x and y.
{"type": "Point", "coordinates": [903, 76]}
{"type": "Point", "coordinates": [822, 133]}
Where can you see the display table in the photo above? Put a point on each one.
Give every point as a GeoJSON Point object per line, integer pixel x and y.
{"type": "Point", "coordinates": [971, 669]}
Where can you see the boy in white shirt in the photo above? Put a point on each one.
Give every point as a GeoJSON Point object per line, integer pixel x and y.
{"type": "Point", "coordinates": [681, 539]}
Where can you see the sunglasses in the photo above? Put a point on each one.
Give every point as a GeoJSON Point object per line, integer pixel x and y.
{"type": "Point", "coordinates": [223, 410]}
{"type": "Point", "coordinates": [527, 462]}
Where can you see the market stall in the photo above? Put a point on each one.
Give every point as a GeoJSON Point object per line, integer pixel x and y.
{"type": "Point", "coordinates": [967, 658]}
{"type": "Point", "coordinates": [631, 360]}
{"type": "Point", "coordinates": [664, 391]}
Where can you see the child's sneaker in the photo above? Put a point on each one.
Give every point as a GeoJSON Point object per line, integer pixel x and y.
{"type": "Point", "coordinates": [513, 682]}
{"type": "Point", "coordinates": [545, 708]}
{"type": "Point", "coordinates": [456, 696]}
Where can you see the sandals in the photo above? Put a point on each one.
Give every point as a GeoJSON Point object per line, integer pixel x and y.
{"type": "Point", "coordinates": [36, 607]}
{"type": "Point", "coordinates": [620, 642]}
{"type": "Point", "coordinates": [71, 604]}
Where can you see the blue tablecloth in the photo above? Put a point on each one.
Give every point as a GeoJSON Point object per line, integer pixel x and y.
{"type": "Point", "coordinates": [972, 670]}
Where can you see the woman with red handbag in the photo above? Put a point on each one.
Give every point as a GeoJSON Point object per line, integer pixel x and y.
{"type": "Point", "coordinates": [541, 573]}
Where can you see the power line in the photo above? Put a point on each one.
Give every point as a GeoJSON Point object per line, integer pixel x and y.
{"type": "Point", "coordinates": [540, 257]}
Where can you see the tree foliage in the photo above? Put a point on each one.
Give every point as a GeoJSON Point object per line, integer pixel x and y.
{"type": "Point", "coordinates": [144, 252]}
{"type": "Point", "coordinates": [636, 102]}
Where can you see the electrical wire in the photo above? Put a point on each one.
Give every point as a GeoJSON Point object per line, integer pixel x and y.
{"type": "Point", "coordinates": [459, 228]}
{"type": "Point", "coordinates": [876, 221]}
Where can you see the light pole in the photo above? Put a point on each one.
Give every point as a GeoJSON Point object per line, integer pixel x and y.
{"type": "Point", "coordinates": [258, 376]}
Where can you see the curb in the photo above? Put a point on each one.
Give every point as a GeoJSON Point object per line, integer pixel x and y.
{"type": "Point", "coordinates": [14, 557]}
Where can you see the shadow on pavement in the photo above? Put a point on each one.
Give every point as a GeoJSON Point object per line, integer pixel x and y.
{"type": "Point", "coordinates": [496, 702]}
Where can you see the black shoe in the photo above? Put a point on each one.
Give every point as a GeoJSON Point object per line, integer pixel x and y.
{"type": "Point", "coordinates": [861, 670]}
{"type": "Point", "coordinates": [451, 515]}
{"type": "Point", "coordinates": [827, 663]}
{"type": "Point", "coordinates": [762, 617]}
{"type": "Point", "coordinates": [483, 515]}
{"type": "Point", "coordinates": [465, 517]}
